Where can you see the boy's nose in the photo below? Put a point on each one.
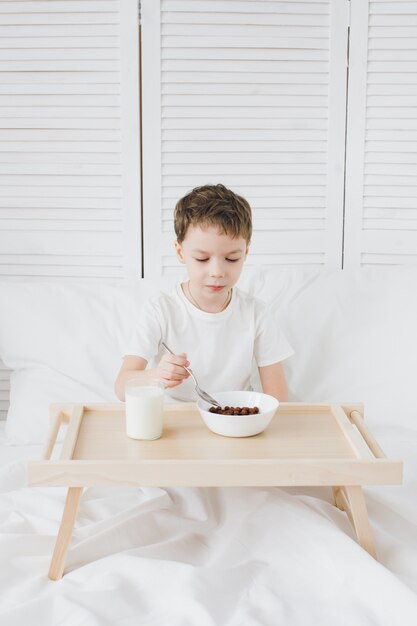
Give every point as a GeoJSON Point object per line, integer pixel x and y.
{"type": "Point", "coordinates": [216, 269]}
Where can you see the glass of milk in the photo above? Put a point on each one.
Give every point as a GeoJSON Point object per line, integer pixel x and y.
{"type": "Point", "coordinates": [144, 403]}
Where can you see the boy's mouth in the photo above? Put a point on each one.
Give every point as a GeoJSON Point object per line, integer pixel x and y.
{"type": "Point", "coordinates": [215, 287]}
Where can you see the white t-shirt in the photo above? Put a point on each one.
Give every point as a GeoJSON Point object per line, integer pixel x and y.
{"type": "Point", "coordinates": [221, 347]}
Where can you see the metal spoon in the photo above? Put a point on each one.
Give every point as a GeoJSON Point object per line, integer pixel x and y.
{"type": "Point", "coordinates": [199, 391]}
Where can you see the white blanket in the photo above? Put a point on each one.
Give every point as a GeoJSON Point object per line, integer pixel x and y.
{"type": "Point", "coordinates": [208, 557]}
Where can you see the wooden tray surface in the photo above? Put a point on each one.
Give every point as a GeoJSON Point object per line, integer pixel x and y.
{"type": "Point", "coordinates": [304, 444]}
{"type": "Point", "coordinates": [312, 434]}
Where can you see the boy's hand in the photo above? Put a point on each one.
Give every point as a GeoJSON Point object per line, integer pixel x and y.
{"type": "Point", "coordinates": [171, 369]}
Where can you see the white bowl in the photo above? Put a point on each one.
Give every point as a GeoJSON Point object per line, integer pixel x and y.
{"type": "Point", "coordinates": [239, 425]}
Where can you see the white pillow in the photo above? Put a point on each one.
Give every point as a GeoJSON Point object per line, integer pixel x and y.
{"type": "Point", "coordinates": [64, 343]}
{"type": "Point", "coordinates": [277, 285]}
{"type": "Point", "coordinates": [355, 339]}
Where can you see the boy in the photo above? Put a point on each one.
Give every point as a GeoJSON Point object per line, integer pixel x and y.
{"type": "Point", "coordinates": [213, 327]}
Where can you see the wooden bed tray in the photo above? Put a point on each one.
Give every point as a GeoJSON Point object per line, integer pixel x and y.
{"type": "Point", "coordinates": [305, 444]}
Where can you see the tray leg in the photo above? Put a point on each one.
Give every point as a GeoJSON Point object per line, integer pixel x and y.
{"type": "Point", "coordinates": [56, 570]}
{"type": "Point", "coordinates": [352, 501]}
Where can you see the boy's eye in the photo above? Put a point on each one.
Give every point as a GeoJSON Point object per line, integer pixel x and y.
{"type": "Point", "coordinates": [229, 260]}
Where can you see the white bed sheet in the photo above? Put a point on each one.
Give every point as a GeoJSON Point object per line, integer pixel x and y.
{"type": "Point", "coordinates": [185, 557]}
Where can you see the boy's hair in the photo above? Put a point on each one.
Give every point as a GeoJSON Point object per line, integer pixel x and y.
{"type": "Point", "coordinates": [213, 205]}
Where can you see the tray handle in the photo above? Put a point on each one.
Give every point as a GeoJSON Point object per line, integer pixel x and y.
{"type": "Point", "coordinates": [74, 424]}
{"type": "Point", "coordinates": [357, 419]}
{"type": "Point", "coordinates": [57, 418]}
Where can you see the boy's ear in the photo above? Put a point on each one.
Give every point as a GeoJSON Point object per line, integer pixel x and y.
{"type": "Point", "coordinates": [179, 253]}
{"type": "Point", "coordinates": [247, 249]}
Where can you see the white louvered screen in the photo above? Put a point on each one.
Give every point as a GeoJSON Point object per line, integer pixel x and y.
{"type": "Point", "coordinates": [381, 187]}
{"type": "Point", "coordinates": [250, 94]}
{"type": "Point", "coordinates": [69, 126]}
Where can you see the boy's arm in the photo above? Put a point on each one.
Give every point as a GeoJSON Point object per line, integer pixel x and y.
{"type": "Point", "coordinates": [273, 381]}
{"type": "Point", "coordinates": [169, 369]}
{"type": "Point", "coordinates": [132, 367]}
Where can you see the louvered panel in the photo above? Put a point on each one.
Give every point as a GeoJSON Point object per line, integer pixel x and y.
{"type": "Point", "coordinates": [392, 124]}
{"type": "Point", "coordinates": [66, 264]}
{"type": "Point", "coordinates": [381, 259]}
{"type": "Point", "coordinates": [59, 78]}
{"type": "Point", "coordinates": [227, 60]}
{"type": "Point", "coordinates": [87, 100]}
{"type": "Point", "coordinates": [213, 145]}
{"type": "Point", "coordinates": [65, 89]}
{"type": "Point", "coordinates": [25, 45]}
{"type": "Point", "coordinates": [251, 95]}
{"type": "Point", "coordinates": [11, 35]}
{"type": "Point", "coordinates": [65, 213]}
{"type": "Point", "coordinates": [244, 89]}
{"type": "Point", "coordinates": [59, 65]}
{"type": "Point", "coordinates": [60, 112]}
{"type": "Point", "coordinates": [52, 191]}
{"type": "Point", "coordinates": [82, 224]}
{"type": "Point", "coordinates": [73, 169]}
{"type": "Point", "coordinates": [255, 6]}
{"type": "Point", "coordinates": [60, 124]}
{"type": "Point", "coordinates": [57, 158]}
{"type": "Point", "coordinates": [239, 169]}
{"type": "Point", "coordinates": [253, 157]}
{"type": "Point", "coordinates": [69, 147]}
{"type": "Point", "coordinates": [237, 112]}
{"type": "Point", "coordinates": [59, 202]}
{"type": "Point", "coordinates": [256, 17]}
{"type": "Point", "coordinates": [105, 16]}
{"type": "Point", "coordinates": [56, 243]}
{"type": "Point", "coordinates": [57, 6]}
{"type": "Point", "coordinates": [392, 19]}
{"type": "Point", "coordinates": [225, 77]}
{"type": "Point", "coordinates": [381, 192]}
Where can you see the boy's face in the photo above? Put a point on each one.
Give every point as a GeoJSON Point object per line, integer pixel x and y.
{"type": "Point", "coordinates": [214, 261]}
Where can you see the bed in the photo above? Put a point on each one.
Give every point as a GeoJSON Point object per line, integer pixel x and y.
{"type": "Point", "coordinates": [223, 556]}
